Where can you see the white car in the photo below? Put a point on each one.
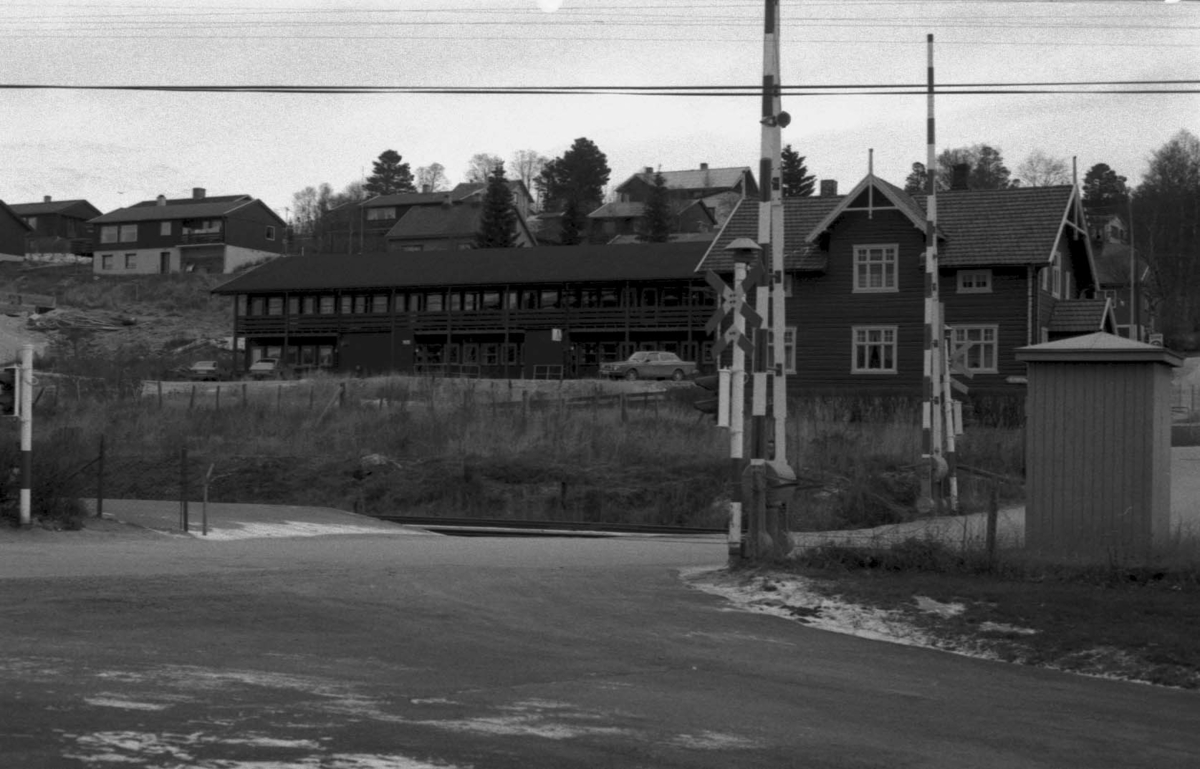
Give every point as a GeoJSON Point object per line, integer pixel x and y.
{"type": "Point", "coordinates": [650, 364]}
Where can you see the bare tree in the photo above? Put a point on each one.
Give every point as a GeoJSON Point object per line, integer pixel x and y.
{"type": "Point", "coordinates": [1042, 170]}
{"type": "Point", "coordinates": [432, 178]}
{"type": "Point", "coordinates": [527, 165]}
{"type": "Point", "coordinates": [481, 166]}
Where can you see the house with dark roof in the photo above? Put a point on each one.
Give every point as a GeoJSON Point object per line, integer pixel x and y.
{"type": "Point", "coordinates": [449, 226]}
{"type": "Point", "coordinates": [13, 232]}
{"type": "Point", "coordinates": [58, 228]}
{"type": "Point", "coordinates": [1121, 273]}
{"type": "Point", "coordinates": [720, 189]}
{"type": "Point", "coordinates": [511, 312]}
{"type": "Point", "coordinates": [522, 199]}
{"type": "Point", "coordinates": [362, 227]}
{"type": "Point", "coordinates": [1015, 268]}
{"type": "Point", "coordinates": [613, 220]}
{"type": "Point", "coordinates": [196, 234]}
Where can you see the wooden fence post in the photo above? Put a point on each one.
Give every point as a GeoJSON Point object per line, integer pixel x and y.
{"type": "Point", "coordinates": [192, 400]}
{"type": "Point", "coordinates": [183, 489]}
{"type": "Point", "coordinates": [100, 481]}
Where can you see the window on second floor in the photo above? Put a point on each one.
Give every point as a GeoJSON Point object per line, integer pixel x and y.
{"type": "Point", "coordinates": [974, 281]}
{"type": "Point", "coordinates": [381, 212]}
{"type": "Point", "coordinates": [164, 228]}
{"type": "Point", "coordinates": [109, 233]}
{"type": "Point", "coordinates": [875, 268]}
{"type": "Point", "coordinates": [128, 233]}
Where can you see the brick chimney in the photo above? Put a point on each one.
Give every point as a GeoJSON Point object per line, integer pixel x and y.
{"type": "Point", "coordinates": [828, 188]}
{"type": "Point", "coordinates": [959, 180]}
{"type": "Point", "coordinates": [198, 193]}
{"type": "Point", "coordinates": [704, 166]}
{"type": "Point", "coordinates": [162, 200]}
{"type": "Point", "coordinates": [46, 199]}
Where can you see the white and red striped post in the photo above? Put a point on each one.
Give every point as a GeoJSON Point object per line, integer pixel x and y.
{"type": "Point", "coordinates": [932, 426]}
{"type": "Point", "coordinates": [24, 396]}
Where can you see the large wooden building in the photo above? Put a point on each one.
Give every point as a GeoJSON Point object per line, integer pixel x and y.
{"type": "Point", "coordinates": [1016, 268]}
{"type": "Point", "coordinates": [546, 311]}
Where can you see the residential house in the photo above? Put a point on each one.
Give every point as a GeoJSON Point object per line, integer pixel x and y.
{"type": "Point", "coordinates": [1015, 268]}
{"type": "Point", "coordinates": [522, 199]}
{"type": "Point", "coordinates": [362, 227]}
{"type": "Point", "coordinates": [613, 220]}
{"type": "Point", "coordinates": [196, 234]}
{"type": "Point", "coordinates": [446, 227]}
{"type": "Point", "coordinates": [505, 312]}
{"type": "Point", "coordinates": [58, 228]}
{"type": "Point", "coordinates": [1120, 272]}
{"type": "Point", "coordinates": [13, 232]}
{"type": "Point", "coordinates": [720, 189]}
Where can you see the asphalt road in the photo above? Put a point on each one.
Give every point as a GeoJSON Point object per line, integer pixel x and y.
{"type": "Point", "coordinates": [415, 651]}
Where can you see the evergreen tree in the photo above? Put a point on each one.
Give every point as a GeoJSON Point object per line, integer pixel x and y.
{"type": "Point", "coordinates": [498, 225]}
{"type": "Point", "coordinates": [797, 183]}
{"type": "Point", "coordinates": [1104, 190]}
{"type": "Point", "coordinates": [656, 227]}
{"type": "Point", "coordinates": [917, 180]}
{"type": "Point", "coordinates": [572, 224]}
{"type": "Point", "coordinates": [389, 175]}
{"type": "Point", "coordinates": [577, 177]}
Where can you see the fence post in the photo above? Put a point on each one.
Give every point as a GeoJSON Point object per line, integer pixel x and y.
{"type": "Point", "coordinates": [183, 489]}
{"type": "Point", "coordinates": [192, 399]}
{"type": "Point", "coordinates": [100, 481]}
{"type": "Point", "coordinates": [992, 514]}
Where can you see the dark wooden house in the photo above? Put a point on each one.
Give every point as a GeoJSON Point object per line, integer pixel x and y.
{"type": "Point", "coordinates": [58, 227]}
{"type": "Point", "coordinates": [1016, 268]}
{"type": "Point", "coordinates": [196, 234]}
{"type": "Point", "coordinates": [13, 232]}
{"type": "Point", "coordinates": [545, 311]}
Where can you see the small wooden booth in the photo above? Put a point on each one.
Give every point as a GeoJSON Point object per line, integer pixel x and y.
{"type": "Point", "coordinates": [1098, 446]}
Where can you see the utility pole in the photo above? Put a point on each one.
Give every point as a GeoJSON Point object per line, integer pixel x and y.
{"type": "Point", "coordinates": [25, 405]}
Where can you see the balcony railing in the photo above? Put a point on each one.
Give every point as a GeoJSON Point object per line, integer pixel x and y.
{"type": "Point", "coordinates": [202, 238]}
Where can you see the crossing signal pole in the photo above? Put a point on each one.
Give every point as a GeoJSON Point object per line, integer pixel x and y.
{"type": "Point", "coordinates": [25, 400]}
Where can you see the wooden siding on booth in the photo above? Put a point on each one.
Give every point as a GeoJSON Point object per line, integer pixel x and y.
{"type": "Point", "coordinates": [1097, 443]}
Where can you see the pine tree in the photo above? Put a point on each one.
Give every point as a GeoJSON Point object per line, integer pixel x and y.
{"type": "Point", "coordinates": [656, 216]}
{"type": "Point", "coordinates": [1104, 189]}
{"type": "Point", "coordinates": [389, 175]}
{"type": "Point", "coordinates": [498, 225]}
{"type": "Point", "coordinates": [916, 182]}
{"type": "Point", "coordinates": [797, 183]}
{"type": "Point", "coordinates": [572, 225]}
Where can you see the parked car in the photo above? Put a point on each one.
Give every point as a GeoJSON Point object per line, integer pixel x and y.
{"type": "Point", "coordinates": [266, 368]}
{"type": "Point", "coordinates": [205, 371]}
{"type": "Point", "coordinates": [650, 364]}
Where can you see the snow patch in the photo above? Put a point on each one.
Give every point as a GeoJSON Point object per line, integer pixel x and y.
{"type": "Point", "coordinates": [288, 529]}
{"type": "Point", "coordinates": [932, 606]}
{"type": "Point", "coordinates": [1003, 627]}
{"type": "Point", "coordinates": [124, 704]}
{"type": "Point", "coordinates": [713, 741]}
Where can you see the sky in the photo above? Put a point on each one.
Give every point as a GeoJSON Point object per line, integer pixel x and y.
{"type": "Point", "coordinates": [117, 147]}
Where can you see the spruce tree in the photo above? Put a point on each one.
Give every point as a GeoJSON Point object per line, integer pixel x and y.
{"type": "Point", "coordinates": [389, 175]}
{"type": "Point", "coordinates": [797, 182]}
{"type": "Point", "coordinates": [572, 224]}
{"type": "Point", "coordinates": [656, 216]}
{"type": "Point", "coordinates": [498, 225]}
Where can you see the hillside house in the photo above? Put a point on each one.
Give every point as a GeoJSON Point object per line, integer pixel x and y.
{"type": "Point", "coordinates": [1119, 271]}
{"type": "Point", "coordinates": [13, 232]}
{"type": "Point", "coordinates": [196, 234]}
{"type": "Point", "coordinates": [522, 199]}
{"type": "Point", "coordinates": [449, 226]}
{"type": "Point", "coordinates": [720, 189]}
{"type": "Point", "coordinates": [613, 220]}
{"type": "Point", "coordinates": [545, 311]}
{"type": "Point", "coordinates": [58, 228]}
{"type": "Point", "coordinates": [1015, 268]}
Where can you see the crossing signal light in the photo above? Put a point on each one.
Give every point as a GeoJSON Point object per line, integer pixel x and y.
{"type": "Point", "coordinates": [715, 399]}
{"type": "Point", "coordinates": [9, 403]}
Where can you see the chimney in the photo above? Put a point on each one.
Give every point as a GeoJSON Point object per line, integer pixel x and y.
{"type": "Point", "coordinates": [959, 180]}
{"type": "Point", "coordinates": [426, 188]}
{"type": "Point", "coordinates": [162, 200]}
{"type": "Point", "coordinates": [46, 199]}
{"type": "Point", "coordinates": [649, 170]}
{"type": "Point", "coordinates": [198, 193]}
{"type": "Point", "coordinates": [704, 166]}
{"type": "Point", "coordinates": [828, 188]}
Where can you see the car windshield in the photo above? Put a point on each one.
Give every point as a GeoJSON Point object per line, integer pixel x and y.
{"type": "Point", "coordinates": [264, 363]}
{"type": "Point", "coordinates": [205, 364]}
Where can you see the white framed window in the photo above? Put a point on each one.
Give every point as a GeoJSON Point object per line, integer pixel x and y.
{"type": "Point", "coordinates": [1056, 282]}
{"type": "Point", "coordinates": [164, 228]}
{"type": "Point", "coordinates": [875, 268]}
{"type": "Point", "coordinates": [980, 355]}
{"type": "Point", "coordinates": [974, 281]}
{"type": "Point", "coordinates": [128, 233]}
{"type": "Point", "coordinates": [270, 232]}
{"type": "Point", "coordinates": [131, 261]}
{"type": "Point", "coordinates": [109, 233]}
{"type": "Point", "coordinates": [874, 350]}
{"type": "Point", "coordinates": [789, 350]}
{"type": "Point", "coordinates": [106, 261]}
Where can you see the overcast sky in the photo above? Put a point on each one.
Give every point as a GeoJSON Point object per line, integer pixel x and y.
{"type": "Point", "coordinates": [115, 148]}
